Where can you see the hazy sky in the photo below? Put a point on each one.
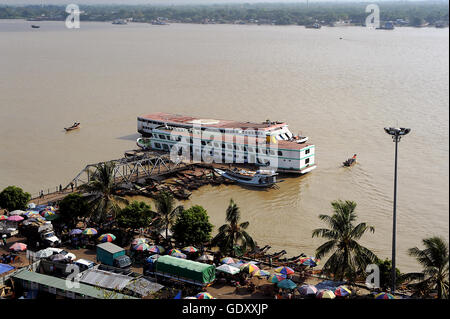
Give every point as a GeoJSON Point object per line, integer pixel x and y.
{"type": "Point", "coordinates": [12, 2]}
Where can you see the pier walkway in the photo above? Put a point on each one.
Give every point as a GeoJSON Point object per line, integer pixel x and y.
{"type": "Point", "coordinates": [128, 169]}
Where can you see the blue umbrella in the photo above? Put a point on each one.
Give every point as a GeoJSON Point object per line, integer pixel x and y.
{"type": "Point", "coordinates": [75, 231]}
{"type": "Point", "coordinates": [286, 284]}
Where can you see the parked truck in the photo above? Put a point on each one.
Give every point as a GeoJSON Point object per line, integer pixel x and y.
{"type": "Point", "coordinates": [39, 232]}
{"type": "Point", "coordinates": [184, 270]}
{"type": "Point", "coordinates": [113, 255]}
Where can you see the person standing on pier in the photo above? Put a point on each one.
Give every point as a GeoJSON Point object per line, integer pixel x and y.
{"type": "Point", "coordinates": [71, 185]}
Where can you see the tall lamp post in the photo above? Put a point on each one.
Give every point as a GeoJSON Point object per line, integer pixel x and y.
{"type": "Point", "coordinates": [396, 134]}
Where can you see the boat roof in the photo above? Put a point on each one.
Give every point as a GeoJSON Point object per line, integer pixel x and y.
{"type": "Point", "coordinates": [189, 120]}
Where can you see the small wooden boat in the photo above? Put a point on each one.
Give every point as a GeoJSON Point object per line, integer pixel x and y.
{"type": "Point", "coordinates": [35, 26]}
{"type": "Point", "coordinates": [144, 143]}
{"type": "Point", "coordinates": [350, 161]}
{"type": "Point", "coordinates": [73, 127]}
{"type": "Point", "coordinates": [259, 178]}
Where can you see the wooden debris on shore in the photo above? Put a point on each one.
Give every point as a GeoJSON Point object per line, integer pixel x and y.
{"type": "Point", "coordinates": [179, 185]}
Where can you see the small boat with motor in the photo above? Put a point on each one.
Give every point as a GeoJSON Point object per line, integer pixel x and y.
{"type": "Point", "coordinates": [34, 26]}
{"type": "Point", "coordinates": [144, 143]}
{"type": "Point", "coordinates": [73, 127]}
{"type": "Point", "coordinates": [259, 178]}
{"type": "Point", "coordinates": [350, 161]}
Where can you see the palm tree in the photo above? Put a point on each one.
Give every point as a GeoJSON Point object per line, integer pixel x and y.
{"type": "Point", "coordinates": [103, 203]}
{"type": "Point", "coordinates": [434, 260]}
{"type": "Point", "coordinates": [348, 258]}
{"type": "Point", "coordinates": [233, 233]}
{"type": "Point", "coordinates": [165, 208]}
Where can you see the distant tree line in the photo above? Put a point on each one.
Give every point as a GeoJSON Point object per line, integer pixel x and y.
{"type": "Point", "coordinates": [414, 13]}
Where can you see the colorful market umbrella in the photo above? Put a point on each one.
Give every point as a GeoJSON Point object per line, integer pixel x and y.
{"type": "Point", "coordinates": [189, 249]}
{"type": "Point", "coordinates": [249, 268]}
{"type": "Point", "coordinates": [384, 295]}
{"type": "Point", "coordinates": [205, 258]}
{"type": "Point", "coordinates": [275, 278]}
{"type": "Point", "coordinates": [287, 284]}
{"type": "Point", "coordinates": [141, 247]}
{"type": "Point", "coordinates": [261, 273]}
{"type": "Point", "coordinates": [204, 295]}
{"type": "Point", "coordinates": [156, 249]}
{"type": "Point", "coordinates": [15, 218]}
{"type": "Point", "coordinates": [325, 294]}
{"type": "Point", "coordinates": [18, 247]}
{"type": "Point", "coordinates": [75, 231]}
{"type": "Point", "coordinates": [140, 240]}
{"type": "Point", "coordinates": [174, 251]}
{"type": "Point", "coordinates": [306, 290]}
{"type": "Point", "coordinates": [90, 231]}
{"type": "Point", "coordinates": [16, 212]}
{"type": "Point", "coordinates": [284, 270]}
{"type": "Point", "coordinates": [227, 260]}
{"type": "Point", "coordinates": [178, 255]}
{"type": "Point", "coordinates": [228, 269]}
{"type": "Point", "coordinates": [342, 291]}
{"type": "Point", "coordinates": [308, 261]}
{"type": "Point", "coordinates": [50, 215]}
{"type": "Point", "coordinates": [3, 217]}
{"type": "Point", "coordinates": [106, 238]}
{"type": "Point", "coordinates": [30, 213]}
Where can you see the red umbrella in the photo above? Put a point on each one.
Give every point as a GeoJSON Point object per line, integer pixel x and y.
{"type": "Point", "coordinates": [15, 218]}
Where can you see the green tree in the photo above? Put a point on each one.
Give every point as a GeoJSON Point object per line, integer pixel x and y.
{"type": "Point", "coordinates": [167, 211]}
{"type": "Point", "coordinates": [385, 267]}
{"type": "Point", "coordinates": [72, 207]}
{"type": "Point", "coordinates": [13, 197]}
{"type": "Point", "coordinates": [135, 215]}
{"type": "Point", "coordinates": [348, 258]}
{"type": "Point", "coordinates": [234, 233]}
{"type": "Point", "coordinates": [192, 226]}
{"type": "Point", "coordinates": [103, 203]}
{"type": "Point", "coordinates": [434, 260]}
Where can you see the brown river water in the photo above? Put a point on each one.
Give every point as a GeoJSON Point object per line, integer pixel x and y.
{"type": "Point", "coordinates": [339, 86]}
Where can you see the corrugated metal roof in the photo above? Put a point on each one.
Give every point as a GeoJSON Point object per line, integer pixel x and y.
{"type": "Point", "coordinates": [59, 283]}
{"type": "Point", "coordinates": [144, 286]}
{"type": "Point", "coordinates": [105, 279]}
{"type": "Point", "coordinates": [110, 247]}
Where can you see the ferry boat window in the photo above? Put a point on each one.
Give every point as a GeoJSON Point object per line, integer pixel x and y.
{"type": "Point", "coordinates": [157, 145]}
{"type": "Point", "coordinates": [272, 152]}
{"type": "Point", "coordinates": [307, 151]}
{"type": "Point", "coordinates": [250, 149]}
{"type": "Point", "coordinates": [229, 146]}
{"type": "Point", "coordinates": [280, 153]}
{"type": "Point", "coordinates": [203, 143]}
{"type": "Point", "coordinates": [165, 147]}
{"type": "Point", "coordinates": [162, 137]}
{"type": "Point", "coordinates": [216, 144]}
{"type": "Point", "coordinates": [307, 161]}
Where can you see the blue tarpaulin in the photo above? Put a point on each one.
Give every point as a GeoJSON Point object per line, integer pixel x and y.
{"type": "Point", "coordinates": [5, 268]}
{"type": "Point", "coordinates": [329, 284]}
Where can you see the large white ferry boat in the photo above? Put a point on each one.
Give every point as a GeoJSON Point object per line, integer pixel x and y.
{"type": "Point", "coordinates": [268, 143]}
